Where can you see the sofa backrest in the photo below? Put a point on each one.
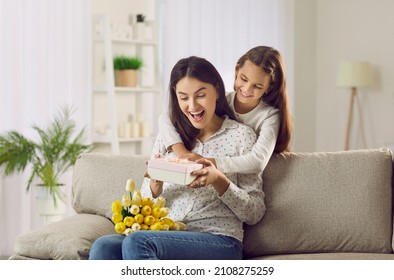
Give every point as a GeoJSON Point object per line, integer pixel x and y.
{"type": "Point", "coordinates": [316, 202]}
{"type": "Point", "coordinates": [325, 202]}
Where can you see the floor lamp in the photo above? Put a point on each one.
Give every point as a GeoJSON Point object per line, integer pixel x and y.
{"type": "Point", "coordinates": [354, 75]}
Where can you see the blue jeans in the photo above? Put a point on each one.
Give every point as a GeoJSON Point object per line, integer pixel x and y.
{"type": "Point", "coordinates": [166, 245]}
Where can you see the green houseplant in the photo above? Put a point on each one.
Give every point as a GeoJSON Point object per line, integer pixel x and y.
{"type": "Point", "coordinates": [126, 70]}
{"type": "Point", "coordinates": [49, 158]}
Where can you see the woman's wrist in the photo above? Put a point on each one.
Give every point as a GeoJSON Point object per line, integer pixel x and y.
{"type": "Point", "coordinates": [213, 160]}
{"type": "Point", "coordinates": [156, 188]}
{"type": "Point", "coordinates": [222, 183]}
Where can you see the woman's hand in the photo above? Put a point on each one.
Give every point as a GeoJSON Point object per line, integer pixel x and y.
{"type": "Point", "coordinates": [209, 175]}
{"type": "Point", "coordinates": [156, 186]}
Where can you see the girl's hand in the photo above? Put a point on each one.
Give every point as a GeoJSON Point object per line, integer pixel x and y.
{"type": "Point", "coordinates": [181, 152]}
{"type": "Point", "coordinates": [209, 175]}
{"type": "Point", "coordinates": [191, 156]}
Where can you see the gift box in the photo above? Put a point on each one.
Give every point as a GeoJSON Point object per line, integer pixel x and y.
{"type": "Point", "coordinates": [175, 171]}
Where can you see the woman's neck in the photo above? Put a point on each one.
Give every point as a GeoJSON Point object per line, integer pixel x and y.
{"type": "Point", "coordinates": [214, 125]}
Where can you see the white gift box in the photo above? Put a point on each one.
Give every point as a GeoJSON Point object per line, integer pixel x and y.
{"type": "Point", "coordinates": [175, 171]}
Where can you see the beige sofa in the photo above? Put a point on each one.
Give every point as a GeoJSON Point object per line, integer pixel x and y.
{"type": "Point", "coordinates": [319, 206]}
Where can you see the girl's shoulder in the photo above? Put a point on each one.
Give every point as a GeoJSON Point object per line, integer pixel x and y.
{"type": "Point", "coordinates": [265, 108]}
{"type": "Point", "coordinates": [230, 97]}
{"type": "Point", "coordinates": [238, 127]}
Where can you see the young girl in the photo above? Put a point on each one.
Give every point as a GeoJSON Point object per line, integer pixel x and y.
{"type": "Point", "coordinates": [260, 100]}
{"type": "Point", "coordinates": [215, 212]}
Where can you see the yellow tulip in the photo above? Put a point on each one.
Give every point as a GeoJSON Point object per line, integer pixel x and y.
{"type": "Point", "coordinates": [135, 227]}
{"type": "Point", "coordinates": [156, 226]}
{"type": "Point", "coordinates": [149, 220]}
{"type": "Point", "coordinates": [156, 212]}
{"type": "Point", "coordinates": [134, 209]}
{"type": "Point", "coordinates": [144, 227]}
{"type": "Point", "coordinates": [120, 227]}
{"type": "Point", "coordinates": [116, 206]}
{"type": "Point", "coordinates": [137, 198]}
{"type": "Point", "coordinates": [126, 201]}
{"type": "Point", "coordinates": [128, 221]}
{"type": "Point", "coordinates": [175, 226]}
{"type": "Point", "coordinates": [117, 217]}
{"type": "Point", "coordinates": [167, 221]}
{"type": "Point", "coordinates": [164, 211]}
{"type": "Point", "coordinates": [139, 218]}
{"type": "Point", "coordinates": [130, 185]}
{"type": "Point", "coordinates": [146, 201]}
{"type": "Point", "coordinates": [165, 227]}
{"type": "Point", "coordinates": [181, 225]}
{"type": "Point", "coordinates": [159, 202]}
{"type": "Point", "coordinates": [146, 210]}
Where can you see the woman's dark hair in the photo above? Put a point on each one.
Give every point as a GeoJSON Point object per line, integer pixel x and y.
{"type": "Point", "coordinates": [271, 62]}
{"type": "Point", "coordinates": [202, 70]}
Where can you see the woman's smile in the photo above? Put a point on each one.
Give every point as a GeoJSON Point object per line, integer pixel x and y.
{"type": "Point", "coordinates": [197, 116]}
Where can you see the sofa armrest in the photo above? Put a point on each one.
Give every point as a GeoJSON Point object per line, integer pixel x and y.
{"type": "Point", "coordinates": [68, 239]}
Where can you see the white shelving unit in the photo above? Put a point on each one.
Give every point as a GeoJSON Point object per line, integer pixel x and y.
{"type": "Point", "coordinates": [112, 106]}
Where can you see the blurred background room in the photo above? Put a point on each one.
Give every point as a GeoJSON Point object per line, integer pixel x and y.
{"type": "Point", "coordinates": [57, 53]}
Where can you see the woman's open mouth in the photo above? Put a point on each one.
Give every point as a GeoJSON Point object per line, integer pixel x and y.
{"type": "Point", "coordinates": [197, 116]}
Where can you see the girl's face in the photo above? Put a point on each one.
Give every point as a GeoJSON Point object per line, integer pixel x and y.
{"type": "Point", "coordinates": [197, 100]}
{"type": "Point", "coordinates": [251, 82]}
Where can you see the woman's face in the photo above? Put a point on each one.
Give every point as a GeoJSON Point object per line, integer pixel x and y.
{"type": "Point", "coordinates": [197, 100]}
{"type": "Point", "coordinates": [251, 82]}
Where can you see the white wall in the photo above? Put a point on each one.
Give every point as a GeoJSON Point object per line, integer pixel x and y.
{"type": "Point", "coordinates": [354, 30]}
{"type": "Point", "coordinates": [304, 75]}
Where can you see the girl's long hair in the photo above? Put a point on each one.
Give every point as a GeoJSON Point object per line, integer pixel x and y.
{"type": "Point", "coordinates": [202, 70]}
{"type": "Point", "coordinates": [271, 62]}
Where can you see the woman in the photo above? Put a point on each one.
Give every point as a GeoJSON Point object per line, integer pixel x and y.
{"type": "Point", "coordinates": [214, 212]}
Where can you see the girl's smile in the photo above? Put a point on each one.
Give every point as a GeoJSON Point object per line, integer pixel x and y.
{"type": "Point", "coordinates": [244, 94]}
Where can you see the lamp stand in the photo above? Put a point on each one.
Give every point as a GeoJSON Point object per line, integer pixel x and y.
{"type": "Point", "coordinates": [353, 98]}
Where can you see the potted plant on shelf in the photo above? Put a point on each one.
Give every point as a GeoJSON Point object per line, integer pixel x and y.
{"type": "Point", "coordinates": [126, 70]}
{"type": "Point", "coordinates": [49, 158]}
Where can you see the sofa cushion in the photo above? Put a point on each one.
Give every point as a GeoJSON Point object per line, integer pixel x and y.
{"type": "Point", "coordinates": [99, 179]}
{"type": "Point", "coordinates": [68, 239]}
{"type": "Point", "coordinates": [325, 202]}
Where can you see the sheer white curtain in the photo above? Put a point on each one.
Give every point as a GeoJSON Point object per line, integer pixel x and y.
{"type": "Point", "coordinates": [45, 64]}
{"type": "Point", "coordinates": [220, 31]}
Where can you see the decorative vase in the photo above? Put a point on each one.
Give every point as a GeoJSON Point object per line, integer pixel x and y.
{"type": "Point", "coordinates": [46, 207]}
{"type": "Point", "coordinates": [126, 78]}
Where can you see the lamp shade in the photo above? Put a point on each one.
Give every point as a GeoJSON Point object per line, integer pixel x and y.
{"type": "Point", "coordinates": [354, 74]}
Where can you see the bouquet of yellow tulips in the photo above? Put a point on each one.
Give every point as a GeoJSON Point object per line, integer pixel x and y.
{"type": "Point", "coordinates": [137, 213]}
